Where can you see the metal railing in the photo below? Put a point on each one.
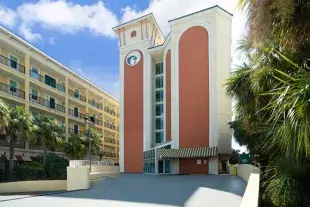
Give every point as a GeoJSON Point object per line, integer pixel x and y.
{"type": "Point", "coordinates": [75, 131]}
{"type": "Point", "coordinates": [12, 64]}
{"type": "Point", "coordinates": [93, 103]}
{"type": "Point", "coordinates": [109, 154]}
{"type": "Point", "coordinates": [51, 105]}
{"type": "Point", "coordinates": [41, 78]}
{"type": "Point", "coordinates": [18, 144]}
{"type": "Point", "coordinates": [112, 112]}
{"type": "Point", "coordinates": [77, 95]}
{"type": "Point", "coordinates": [79, 163]}
{"type": "Point", "coordinates": [109, 140]}
{"type": "Point", "coordinates": [76, 114]}
{"type": "Point", "coordinates": [98, 121]}
{"type": "Point", "coordinates": [12, 91]}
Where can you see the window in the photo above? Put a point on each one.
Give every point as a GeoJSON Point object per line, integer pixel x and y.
{"type": "Point", "coordinates": [35, 115]}
{"type": "Point", "coordinates": [13, 86]}
{"type": "Point", "coordinates": [34, 95]}
{"type": "Point", "coordinates": [159, 109]}
{"type": "Point", "coordinates": [50, 81]}
{"type": "Point", "coordinates": [133, 34]}
{"type": "Point", "coordinates": [159, 68]}
{"type": "Point", "coordinates": [76, 93]}
{"type": "Point", "coordinates": [159, 123]}
{"type": "Point", "coordinates": [159, 82]}
{"type": "Point", "coordinates": [34, 73]}
{"type": "Point", "coordinates": [159, 96]}
{"type": "Point", "coordinates": [159, 137]}
{"type": "Point", "coordinates": [13, 62]}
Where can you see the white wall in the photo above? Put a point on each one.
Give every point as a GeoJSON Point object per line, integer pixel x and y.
{"type": "Point", "coordinates": [245, 170]}
{"type": "Point", "coordinates": [251, 195]}
{"type": "Point", "coordinates": [33, 186]}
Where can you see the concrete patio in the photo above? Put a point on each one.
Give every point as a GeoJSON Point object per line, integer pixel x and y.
{"type": "Point", "coordinates": [143, 190]}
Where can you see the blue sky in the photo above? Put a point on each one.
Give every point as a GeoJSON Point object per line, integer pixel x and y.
{"type": "Point", "coordinates": [78, 32]}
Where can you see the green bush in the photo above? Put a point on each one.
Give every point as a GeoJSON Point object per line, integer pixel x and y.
{"type": "Point", "coordinates": [54, 169]}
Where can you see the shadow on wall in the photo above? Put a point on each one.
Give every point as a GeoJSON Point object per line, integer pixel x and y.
{"type": "Point", "coordinates": [168, 190]}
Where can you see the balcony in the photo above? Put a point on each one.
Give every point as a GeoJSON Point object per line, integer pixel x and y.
{"type": "Point", "coordinates": [75, 132]}
{"type": "Point", "coordinates": [12, 91]}
{"type": "Point", "coordinates": [112, 112]}
{"type": "Point", "coordinates": [110, 126]}
{"type": "Point", "coordinates": [109, 140]}
{"type": "Point", "coordinates": [76, 95]}
{"type": "Point", "coordinates": [76, 114]}
{"type": "Point", "coordinates": [47, 81]}
{"type": "Point", "coordinates": [12, 64]}
{"type": "Point", "coordinates": [18, 144]}
{"type": "Point", "coordinates": [93, 103]}
{"type": "Point", "coordinates": [109, 154]}
{"type": "Point", "coordinates": [49, 104]}
{"type": "Point", "coordinates": [98, 121]}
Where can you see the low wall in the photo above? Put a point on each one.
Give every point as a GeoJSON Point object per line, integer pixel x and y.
{"type": "Point", "coordinates": [251, 195]}
{"type": "Point", "coordinates": [105, 169]}
{"type": "Point", "coordinates": [33, 186]}
{"type": "Point", "coordinates": [244, 171]}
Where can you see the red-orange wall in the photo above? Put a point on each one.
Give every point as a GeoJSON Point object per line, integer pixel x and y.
{"type": "Point", "coordinates": [190, 166]}
{"type": "Point", "coordinates": [194, 88]}
{"type": "Point", "coordinates": [168, 95]}
{"type": "Point", "coordinates": [133, 117]}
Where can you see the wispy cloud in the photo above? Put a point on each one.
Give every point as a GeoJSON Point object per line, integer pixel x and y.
{"type": "Point", "coordinates": [52, 40]}
{"type": "Point", "coordinates": [7, 16]}
{"type": "Point", "coordinates": [28, 34]}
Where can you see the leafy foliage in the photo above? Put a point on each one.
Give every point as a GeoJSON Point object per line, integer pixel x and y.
{"type": "Point", "coordinates": [75, 147]}
{"type": "Point", "coordinates": [54, 169]}
{"type": "Point", "coordinates": [234, 157]}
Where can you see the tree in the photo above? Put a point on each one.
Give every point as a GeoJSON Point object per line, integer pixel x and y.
{"type": "Point", "coordinates": [234, 157]}
{"type": "Point", "coordinates": [75, 147]}
{"type": "Point", "coordinates": [49, 134]}
{"type": "Point", "coordinates": [96, 142]}
{"type": "Point", "coordinates": [101, 154]}
{"type": "Point", "coordinates": [17, 125]}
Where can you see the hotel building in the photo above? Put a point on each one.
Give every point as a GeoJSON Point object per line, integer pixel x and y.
{"type": "Point", "coordinates": [174, 111]}
{"type": "Point", "coordinates": [34, 80]}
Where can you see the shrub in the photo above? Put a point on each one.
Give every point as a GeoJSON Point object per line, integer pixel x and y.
{"type": "Point", "coordinates": [54, 169]}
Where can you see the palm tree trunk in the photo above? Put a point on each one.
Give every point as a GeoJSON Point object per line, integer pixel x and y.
{"type": "Point", "coordinates": [11, 163]}
{"type": "Point", "coordinates": [44, 156]}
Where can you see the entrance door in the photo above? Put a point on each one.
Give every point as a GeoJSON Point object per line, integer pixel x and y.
{"type": "Point", "coordinates": [160, 166]}
{"type": "Point", "coordinates": [52, 103]}
{"type": "Point", "coordinates": [76, 111]}
{"type": "Point", "coordinates": [164, 166]}
{"type": "Point", "coordinates": [76, 129]}
{"type": "Point", "coordinates": [50, 81]}
{"type": "Point", "coordinates": [13, 62]}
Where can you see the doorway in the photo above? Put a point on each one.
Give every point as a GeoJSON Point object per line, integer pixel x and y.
{"type": "Point", "coordinates": [164, 166]}
{"type": "Point", "coordinates": [76, 111]}
{"type": "Point", "coordinates": [52, 103]}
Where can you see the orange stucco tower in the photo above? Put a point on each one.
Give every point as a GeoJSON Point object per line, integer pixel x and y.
{"type": "Point", "coordinates": [174, 110]}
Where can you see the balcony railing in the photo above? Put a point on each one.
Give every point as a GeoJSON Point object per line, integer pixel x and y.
{"type": "Point", "coordinates": [12, 91]}
{"type": "Point", "coordinates": [93, 103]}
{"type": "Point", "coordinates": [76, 114]}
{"type": "Point", "coordinates": [110, 126]}
{"type": "Point", "coordinates": [42, 79]}
{"type": "Point", "coordinates": [77, 95]}
{"type": "Point", "coordinates": [46, 103]}
{"type": "Point", "coordinates": [75, 132]}
{"type": "Point", "coordinates": [109, 154]}
{"type": "Point", "coordinates": [109, 140]}
{"type": "Point", "coordinates": [12, 64]}
{"type": "Point", "coordinates": [98, 121]}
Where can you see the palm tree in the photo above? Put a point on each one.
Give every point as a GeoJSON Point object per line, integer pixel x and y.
{"type": "Point", "coordinates": [96, 142]}
{"type": "Point", "coordinates": [49, 134]}
{"type": "Point", "coordinates": [75, 147]}
{"type": "Point", "coordinates": [17, 124]}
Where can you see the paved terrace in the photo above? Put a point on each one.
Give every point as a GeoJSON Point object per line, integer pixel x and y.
{"type": "Point", "coordinates": [143, 191]}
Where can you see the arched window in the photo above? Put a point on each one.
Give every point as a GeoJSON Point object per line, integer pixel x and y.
{"type": "Point", "coordinates": [133, 33]}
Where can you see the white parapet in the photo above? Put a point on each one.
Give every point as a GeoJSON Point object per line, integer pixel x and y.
{"type": "Point", "coordinates": [251, 195]}
{"type": "Point", "coordinates": [78, 178]}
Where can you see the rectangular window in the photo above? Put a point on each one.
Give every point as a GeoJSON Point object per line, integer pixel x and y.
{"type": "Point", "coordinates": [159, 68]}
{"type": "Point", "coordinates": [76, 93]}
{"type": "Point", "coordinates": [34, 94]}
{"type": "Point", "coordinates": [159, 109]}
{"type": "Point", "coordinates": [13, 86]}
{"type": "Point", "coordinates": [159, 96]}
{"type": "Point", "coordinates": [50, 81]}
{"type": "Point", "coordinates": [159, 83]}
{"type": "Point", "coordinates": [35, 115]}
{"type": "Point", "coordinates": [159, 137]}
{"type": "Point", "coordinates": [159, 123]}
{"type": "Point", "coordinates": [34, 73]}
{"type": "Point", "coordinates": [13, 62]}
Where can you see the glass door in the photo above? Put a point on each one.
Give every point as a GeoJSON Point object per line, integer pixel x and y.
{"type": "Point", "coordinates": [76, 129]}
{"type": "Point", "coordinates": [164, 166]}
{"type": "Point", "coordinates": [13, 87]}
{"type": "Point", "coordinates": [34, 73]}
{"type": "Point", "coordinates": [76, 111]}
{"type": "Point", "coordinates": [13, 62]}
{"type": "Point", "coordinates": [52, 103]}
{"type": "Point", "coordinates": [50, 81]}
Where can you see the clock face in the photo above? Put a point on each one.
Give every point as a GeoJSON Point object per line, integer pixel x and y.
{"type": "Point", "coordinates": [133, 58]}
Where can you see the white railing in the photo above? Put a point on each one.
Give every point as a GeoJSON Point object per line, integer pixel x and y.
{"type": "Point", "coordinates": [79, 163]}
